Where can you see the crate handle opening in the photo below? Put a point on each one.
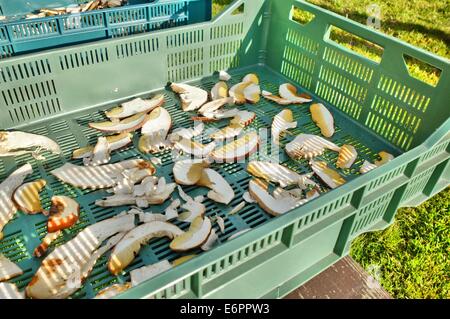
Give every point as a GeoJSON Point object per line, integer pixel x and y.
{"type": "Point", "coordinates": [356, 44]}
{"type": "Point", "coordinates": [422, 71]}
{"type": "Point", "coordinates": [300, 16]}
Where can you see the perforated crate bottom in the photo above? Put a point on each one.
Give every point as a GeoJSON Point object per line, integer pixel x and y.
{"type": "Point", "coordinates": [24, 233]}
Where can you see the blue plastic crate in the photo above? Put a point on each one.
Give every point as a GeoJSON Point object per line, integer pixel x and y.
{"type": "Point", "coordinates": [23, 36]}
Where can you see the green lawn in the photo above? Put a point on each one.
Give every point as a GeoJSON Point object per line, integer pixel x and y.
{"type": "Point", "coordinates": [413, 255]}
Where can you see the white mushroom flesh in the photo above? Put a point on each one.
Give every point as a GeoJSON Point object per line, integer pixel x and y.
{"type": "Point", "coordinates": [309, 146]}
{"type": "Point", "coordinates": [145, 273]}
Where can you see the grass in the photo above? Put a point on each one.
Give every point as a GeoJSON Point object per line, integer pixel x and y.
{"type": "Point", "coordinates": [413, 255]}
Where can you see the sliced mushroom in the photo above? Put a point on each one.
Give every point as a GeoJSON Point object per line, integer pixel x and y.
{"type": "Point", "coordinates": [239, 233]}
{"type": "Point", "coordinates": [248, 198]}
{"type": "Point", "coordinates": [182, 260]}
{"type": "Point", "coordinates": [195, 148]}
{"type": "Point", "coordinates": [216, 116]}
{"type": "Point", "coordinates": [140, 275]}
{"type": "Point", "coordinates": [65, 268]}
{"type": "Point", "coordinates": [276, 173]}
{"type": "Point", "coordinates": [215, 105]}
{"type": "Point", "coordinates": [289, 92]}
{"type": "Point", "coordinates": [323, 119]}
{"type": "Point", "coordinates": [130, 245]}
{"type": "Point", "coordinates": [237, 92]}
{"type": "Point", "coordinates": [10, 291]}
{"type": "Point", "coordinates": [238, 149]}
{"type": "Point", "coordinates": [252, 93]}
{"type": "Point", "coordinates": [7, 188]}
{"type": "Point", "coordinates": [115, 142]}
{"type": "Point", "coordinates": [17, 143]}
{"type": "Point", "coordinates": [211, 241]}
{"type": "Point", "coordinates": [191, 97]}
{"type": "Point", "coordinates": [113, 291]}
{"type": "Point", "coordinates": [129, 124]}
{"type": "Point", "coordinates": [26, 197]}
{"type": "Point", "coordinates": [243, 118]}
{"type": "Point", "coordinates": [40, 250]}
{"type": "Point", "coordinates": [281, 123]}
{"type": "Point", "coordinates": [328, 175]}
{"type": "Point", "coordinates": [309, 146]}
{"type": "Point", "coordinates": [134, 107]}
{"type": "Point", "coordinates": [259, 191]}
{"type": "Point", "coordinates": [64, 213]}
{"type": "Point", "coordinates": [101, 154]}
{"type": "Point", "coordinates": [193, 207]}
{"type": "Point", "coordinates": [158, 121]}
{"type": "Point", "coordinates": [98, 177]}
{"type": "Point", "coordinates": [367, 167]}
{"type": "Point", "coordinates": [171, 211]}
{"type": "Point", "coordinates": [275, 98]}
{"type": "Point", "coordinates": [8, 269]}
{"type": "Point", "coordinates": [221, 191]}
{"type": "Point", "coordinates": [154, 143]}
{"type": "Point", "coordinates": [251, 77]}
{"type": "Point", "coordinates": [221, 222]}
{"type": "Point", "coordinates": [313, 193]}
{"type": "Point", "coordinates": [149, 217]}
{"type": "Point", "coordinates": [347, 156]}
{"type": "Point", "coordinates": [188, 172]}
{"type": "Point", "coordinates": [385, 158]}
{"type": "Point", "coordinates": [187, 133]}
{"type": "Point", "coordinates": [224, 76]}
{"type": "Point", "coordinates": [219, 91]}
{"type": "Point", "coordinates": [227, 132]}
{"type": "Point", "coordinates": [196, 236]}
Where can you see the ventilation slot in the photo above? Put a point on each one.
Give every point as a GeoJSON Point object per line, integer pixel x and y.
{"type": "Point", "coordinates": [82, 59]}
{"type": "Point", "coordinates": [422, 71]}
{"type": "Point", "coordinates": [183, 39]}
{"type": "Point", "coordinates": [136, 48]}
{"type": "Point", "coordinates": [185, 65]}
{"type": "Point", "coordinates": [226, 31]}
{"type": "Point", "coordinates": [22, 71]}
{"type": "Point", "coordinates": [224, 55]}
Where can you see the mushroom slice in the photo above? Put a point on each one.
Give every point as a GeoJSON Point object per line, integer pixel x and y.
{"type": "Point", "coordinates": [40, 250]}
{"type": "Point", "coordinates": [188, 172]}
{"type": "Point", "coordinates": [63, 270]}
{"type": "Point", "coordinates": [195, 148]}
{"type": "Point", "coordinates": [182, 260]}
{"type": "Point", "coordinates": [145, 273]}
{"type": "Point", "coordinates": [239, 233]}
{"type": "Point", "coordinates": [243, 118]}
{"type": "Point", "coordinates": [220, 220]}
{"type": "Point", "coordinates": [101, 154]}
{"type": "Point", "coordinates": [191, 97]}
{"type": "Point", "coordinates": [8, 269]}
{"type": "Point", "coordinates": [211, 241]}
{"type": "Point", "coordinates": [18, 143]}
{"type": "Point", "coordinates": [27, 199]}
{"type": "Point", "coordinates": [248, 198]}
{"type": "Point", "coordinates": [115, 142]}
{"type": "Point", "coordinates": [227, 132]}
{"type": "Point", "coordinates": [219, 91]}
{"type": "Point", "coordinates": [112, 291]}
{"type": "Point", "coordinates": [347, 156]}
{"type": "Point", "coordinates": [154, 143]}
{"type": "Point", "coordinates": [238, 149]}
{"type": "Point", "coordinates": [313, 193]}
{"type": "Point", "coordinates": [252, 93]}
{"type": "Point", "coordinates": [171, 211]}
{"type": "Point", "coordinates": [221, 191]}
{"type": "Point", "coordinates": [224, 76]}
{"type": "Point", "coordinates": [328, 175]}
{"type": "Point", "coordinates": [281, 123]}
{"type": "Point", "coordinates": [135, 106]}
{"type": "Point", "coordinates": [154, 198]}
{"type": "Point", "coordinates": [193, 208]}
{"type": "Point", "coordinates": [158, 121]}
{"type": "Point", "coordinates": [289, 92]}
{"type": "Point", "coordinates": [323, 119]}
{"type": "Point", "coordinates": [259, 191]}
{"type": "Point", "coordinates": [98, 177]}
{"type": "Point", "coordinates": [237, 92]}
{"type": "Point", "coordinates": [187, 133]}
{"type": "Point", "coordinates": [276, 173]}
{"type": "Point", "coordinates": [367, 167]}
{"type": "Point", "coordinates": [7, 188]}
{"type": "Point", "coordinates": [275, 98]}
{"type": "Point", "coordinates": [215, 105]}
{"type": "Point", "coordinates": [149, 217]}
{"type": "Point", "coordinates": [129, 124]}
{"type": "Point", "coordinates": [385, 158]}
{"type": "Point", "coordinates": [196, 236]}
{"type": "Point", "coordinates": [64, 213]}
{"type": "Point", "coordinates": [10, 291]}
{"type": "Point", "coordinates": [251, 77]}
{"type": "Point", "coordinates": [130, 245]}
{"type": "Point", "coordinates": [309, 146]}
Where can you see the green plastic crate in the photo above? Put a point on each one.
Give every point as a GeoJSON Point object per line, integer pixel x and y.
{"type": "Point", "coordinates": [377, 106]}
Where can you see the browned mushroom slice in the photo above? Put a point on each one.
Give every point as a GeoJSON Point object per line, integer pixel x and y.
{"type": "Point", "coordinates": [275, 98]}
{"type": "Point", "coordinates": [112, 291]}
{"type": "Point", "coordinates": [40, 250]}
{"type": "Point", "coordinates": [129, 124]}
{"type": "Point", "coordinates": [192, 98]}
{"type": "Point", "coordinates": [237, 92]}
{"type": "Point", "coordinates": [215, 105]}
{"type": "Point", "coordinates": [281, 123]}
{"type": "Point", "coordinates": [238, 149]}
{"type": "Point", "coordinates": [196, 236]}
{"type": "Point", "coordinates": [323, 119]}
{"type": "Point", "coordinates": [130, 245]}
{"type": "Point", "coordinates": [367, 167]}
{"type": "Point", "coordinates": [27, 199]}
{"type": "Point", "coordinates": [7, 188]}
{"type": "Point", "coordinates": [347, 156]}
{"type": "Point", "coordinates": [309, 146]}
{"type": "Point", "coordinates": [182, 260]}
{"type": "Point", "coordinates": [188, 172]}
{"type": "Point", "coordinates": [8, 269]}
{"type": "Point", "coordinates": [145, 273]}
{"type": "Point", "coordinates": [219, 91]}
{"type": "Point", "coordinates": [328, 175]}
{"type": "Point", "coordinates": [10, 291]}
{"type": "Point", "coordinates": [64, 213]}
{"type": "Point", "coordinates": [195, 148]}
{"type": "Point", "coordinates": [289, 92]}
{"type": "Point", "coordinates": [221, 191]}
{"type": "Point", "coordinates": [135, 106]}
{"type": "Point", "coordinates": [17, 143]}
{"type": "Point", "coordinates": [385, 158]}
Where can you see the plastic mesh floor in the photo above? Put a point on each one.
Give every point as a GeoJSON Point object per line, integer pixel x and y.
{"type": "Point", "coordinates": [24, 233]}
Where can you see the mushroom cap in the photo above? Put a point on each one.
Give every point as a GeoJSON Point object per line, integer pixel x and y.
{"type": "Point", "coordinates": [220, 90]}
{"type": "Point", "coordinates": [347, 156]}
{"type": "Point", "coordinates": [189, 172]}
{"type": "Point", "coordinates": [26, 197]}
{"type": "Point", "coordinates": [64, 213]}
{"type": "Point", "coordinates": [323, 119]}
